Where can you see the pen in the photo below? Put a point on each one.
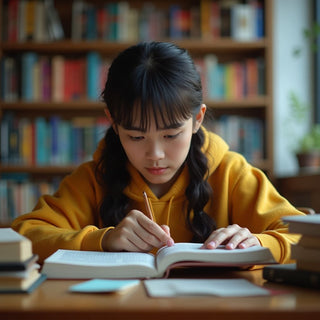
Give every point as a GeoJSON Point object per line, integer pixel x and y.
{"type": "Point", "coordinates": [148, 206]}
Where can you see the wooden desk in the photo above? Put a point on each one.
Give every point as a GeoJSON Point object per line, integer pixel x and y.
{"type": "Point", "coordinates": [302, 190]}
{"type": "Point", "coordinates": [53, 301]}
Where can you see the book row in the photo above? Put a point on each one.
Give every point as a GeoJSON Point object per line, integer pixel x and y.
{"type": "Point", "coordinates": [31, 20]}
{"type": "Point", "coordinates": [119, 21]}
{"type": "Point", "coordinates": [19, 195]}
{"type": "Point", "coordinates": [38, 20]}
{"type": "Point", "coordinates": [243, 134]}
{"type": "Point", "coordinates": [33, 77]}
{"type": "Point", "coordinates": [231, 80]}
{"type": "Point", "coordinates": [52, 141]}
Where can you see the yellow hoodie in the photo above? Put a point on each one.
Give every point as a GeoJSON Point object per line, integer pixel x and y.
{"type": "Point", "coordinates": [241, 195]}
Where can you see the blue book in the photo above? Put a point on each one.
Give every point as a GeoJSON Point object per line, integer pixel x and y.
{"type": "Point", "coordinates": [29, 61]}
{"type": "Point", "coordinates": [113, 25]}
{"type": "Point", "coordinates": [64, 142]}
{"type": "Point", "coordinates": [218, 80]}
{"type": "Point", "coordinates": [54, 127]}
{"type": "Point", "coordinates": [41, 141]}
{"type": "Point", "coordinates": [91, 27]}
{"type": "Point", "coordinates": [259, 21]}
{"type": "Point", "coordinates": [175, 31]}
{"type": "Point", "coordinates": [93, 75]}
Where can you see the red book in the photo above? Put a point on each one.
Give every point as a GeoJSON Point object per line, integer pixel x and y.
{"type": "Point", "coordinates": [13, 20]}
{"type": "Point", "coordinates": [252, 77]}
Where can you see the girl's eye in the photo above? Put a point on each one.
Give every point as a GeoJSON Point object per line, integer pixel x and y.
{"type": "Point", "coordinates": [171, 136]}
{"type": "Point", "coordinates": [136, 138]}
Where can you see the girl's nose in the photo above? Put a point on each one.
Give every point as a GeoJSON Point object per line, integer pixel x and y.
{"type": "Point", "coordinates": [155, 151]}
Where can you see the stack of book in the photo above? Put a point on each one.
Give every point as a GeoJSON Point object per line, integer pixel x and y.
{"type": "Point", "coordinates": [19, 271]}
{"type": "Point", "coordinates": [306, 253]}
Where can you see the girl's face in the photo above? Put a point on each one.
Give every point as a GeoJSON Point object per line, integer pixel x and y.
{"type": "Point", "coordinates": [159, 154]}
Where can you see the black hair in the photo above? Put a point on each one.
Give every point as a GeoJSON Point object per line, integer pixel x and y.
{"type": "Point", "coordinates": [162, 81]}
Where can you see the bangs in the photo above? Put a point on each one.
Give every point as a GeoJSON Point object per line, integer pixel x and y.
{"type": "Point", "coordinates": [157, 99]}
{"type": "Point", "coordinates": [165, 112]}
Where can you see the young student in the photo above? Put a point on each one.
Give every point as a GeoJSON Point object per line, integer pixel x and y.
{"type": "Point", "coordinates": [198, 189]}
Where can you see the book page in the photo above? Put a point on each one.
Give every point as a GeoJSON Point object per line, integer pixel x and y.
{"type": "Point", "coordinates": [68, 264]}
{"type": "Point", "coordinates": [192, 252]}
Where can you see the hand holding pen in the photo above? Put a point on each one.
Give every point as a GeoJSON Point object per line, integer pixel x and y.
{"type": "Point", "coordinates": [150, 214]}
{"type": "Point", "coordinates": [137, 232]}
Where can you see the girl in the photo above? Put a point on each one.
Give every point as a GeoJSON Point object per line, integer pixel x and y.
{"type": "Point", "coordinates": [199, 190]}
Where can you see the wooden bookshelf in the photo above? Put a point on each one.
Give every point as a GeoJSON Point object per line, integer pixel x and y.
{"type": "Point", "coordinates": [225, 48]}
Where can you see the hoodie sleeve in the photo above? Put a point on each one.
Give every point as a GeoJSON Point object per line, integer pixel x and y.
{"type": "Point", "coordinates": [68, 219]}
{"type": "Point", "coordinates": [253, 202]}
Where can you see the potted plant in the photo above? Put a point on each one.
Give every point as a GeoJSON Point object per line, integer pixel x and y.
{"type": "Point", "coordinates": [307, 147]}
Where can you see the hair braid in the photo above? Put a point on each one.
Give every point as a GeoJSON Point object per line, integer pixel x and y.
{"type": "Point", "coordinates": [199, 191]}
{"type": "Point", "coordinates": [112, 173]}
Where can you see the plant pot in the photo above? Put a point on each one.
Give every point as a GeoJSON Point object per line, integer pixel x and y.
{"type": "Point", "coordinates": [309, 159]}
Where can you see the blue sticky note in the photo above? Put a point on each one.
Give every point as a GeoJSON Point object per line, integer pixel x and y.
{"type": "Point", "coordinates": [103, 285]}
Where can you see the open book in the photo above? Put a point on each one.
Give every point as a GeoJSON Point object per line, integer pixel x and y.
{"type": "Point", "coordinates": [71, 264]}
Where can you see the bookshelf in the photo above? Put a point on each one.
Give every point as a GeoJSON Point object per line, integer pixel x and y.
{"type": "Point", "coordinates": [227, 50]}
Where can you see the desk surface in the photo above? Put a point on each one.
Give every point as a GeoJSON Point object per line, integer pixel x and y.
{"type": "Point", "coordinates": [53, 301]}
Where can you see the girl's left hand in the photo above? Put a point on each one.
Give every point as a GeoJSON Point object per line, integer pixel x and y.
{"type": "Point", "coordinates": [233, 237]}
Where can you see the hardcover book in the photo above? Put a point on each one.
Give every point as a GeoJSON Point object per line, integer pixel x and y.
{"type": "Point", "coordinates": [289, 274]}
{"type": "Point", "coordinates": [306, 225]}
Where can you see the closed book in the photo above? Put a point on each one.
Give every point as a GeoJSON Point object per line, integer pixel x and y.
{"type": "Point", "coordinates": [41, 141]}
{"type": "Point", "coordinates": [14, 246]}
{"type": "Point", "coordinates": [205, 19]}
{"type": "Point", "coordinates": [29, 61]}
{"type": "Point", "coordinates": [13, 13]}
{"type": "Point", "coordinates": [13, 266]}
{"type": "Point", "coordinates": [25, 285]}
{"type": "Point", "coordinates": [306, 254]}
{"type": "Point", "coordinates": [243, 22]}
{"type": "Point", "coordinates": [289, 274]}
{"type": "Point", "coordinates": [57, 83]}
{"type": "Point", "coordinates": [310, 241]}
{"type": "Point", "coordinates": [55, 28]}
{"type": "Point", "coordinates": [304, 224]}
{"type": "Point", "coordinates": [93, 75]}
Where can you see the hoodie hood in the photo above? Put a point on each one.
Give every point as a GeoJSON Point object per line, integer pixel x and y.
{"type": "Point", "coordinates": [214, 148]}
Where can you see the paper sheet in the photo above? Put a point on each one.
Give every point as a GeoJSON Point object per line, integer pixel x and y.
{"type": "Point", "coordinates": [216, 287]}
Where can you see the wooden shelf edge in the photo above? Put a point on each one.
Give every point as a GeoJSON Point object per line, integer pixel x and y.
{"type": "Point", "coordinates": [61, 106]}
{"type": "Point", "coordinates": [202, 45]}
{"type": "Point", "coordinates": [55, 170]}
{"type": "Point", "coordinates": [251, 102]}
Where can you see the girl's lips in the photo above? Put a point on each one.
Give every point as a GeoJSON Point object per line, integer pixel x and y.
{"type": "Point", "coordinates": [156, 171]}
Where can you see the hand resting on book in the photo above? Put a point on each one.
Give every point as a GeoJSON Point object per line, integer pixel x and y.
{"type": "Point", "coordinates": [232, 237]}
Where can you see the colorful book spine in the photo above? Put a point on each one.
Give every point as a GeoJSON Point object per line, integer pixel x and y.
{"type": "Point", "coordinates": [29, 61]}
{"type": "Point", "coordinates": [93, 75]}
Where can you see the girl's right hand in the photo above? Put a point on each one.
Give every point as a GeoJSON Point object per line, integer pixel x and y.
{"type": "Point", "coordinates": [136, 232]}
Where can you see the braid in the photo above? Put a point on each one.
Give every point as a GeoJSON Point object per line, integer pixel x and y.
{"type": "Point", "coordinates": [199, 191]}
{"type": "Point", "coordinates": [113, 175]}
